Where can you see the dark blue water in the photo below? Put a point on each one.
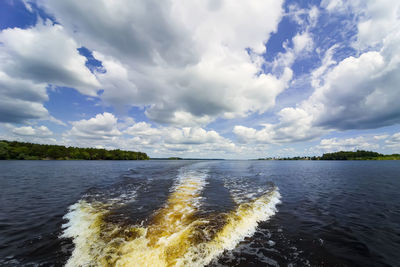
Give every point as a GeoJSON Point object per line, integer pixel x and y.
{"type": "Point", "coordinates": [332, 213]}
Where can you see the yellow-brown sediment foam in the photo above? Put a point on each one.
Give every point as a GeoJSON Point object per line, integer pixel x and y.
{"type": "Point", "coordinates": [168, 237]}
{"type": "Point", "coordinates": [240, 223]}
{"type": "Point", "coordinates": [175, 236]}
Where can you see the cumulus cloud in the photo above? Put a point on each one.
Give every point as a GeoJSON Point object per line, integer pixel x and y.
{"type": "Point", "coordinates": [359, 92]}
{"type": "Point", "coordinates": [104, 130]}
{"type": "Point", "coordinates": [142, 129]}
{"type": "Point", "coordinates": [192, 136]}
{"type": "Point", "coordinates": [101, 127]}
{"type": "Point", "coordinates": [393, 141]}
{"type": "Point", "coordinates": [17, 110]}
{"type": "Point", "coordinates": [46, 54]}
{"type": "Point", "coordinates": [352, 144]}
{"type": "Point", "coordinates": [362, 92]}
{"type": "Point", "coordinates": [376, 19]}
{"type": "Point", "coordinates": [38, 131]}
{"type": "Point", "coordinates": [21, 99]}
{"type": "Point", "coordinates": [301, 43]}
{"type": "Point", "coordinates": [294, 126]}
{"type": "Point", "coordinates": [333, 5]}
{"type": "Point", "coordinates": [30, 60]}
{"type": "Point", "coordinates": [381, 137]}
{"type": "Point", "coordinates": [34, 134]}
{"type": "Point", "coordinates": [186, 62]}
{"type": "Point", "coordinates": [305, 17]}
{"type": "Point", "coordinates": [182, 139]}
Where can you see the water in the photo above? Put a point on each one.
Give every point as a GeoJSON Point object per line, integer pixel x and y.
{"type": "Point", "coordinates": [192, 213]}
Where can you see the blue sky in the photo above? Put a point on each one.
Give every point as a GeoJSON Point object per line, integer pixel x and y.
{"type": "Point", "coordinates": [202, 78]}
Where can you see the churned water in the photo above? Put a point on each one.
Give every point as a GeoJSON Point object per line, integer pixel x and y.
{"type": "Point", "coordinates": [199, 213]}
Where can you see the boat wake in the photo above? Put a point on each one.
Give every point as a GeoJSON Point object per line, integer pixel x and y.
{"type": "Point", "coordinates": [178, 234]}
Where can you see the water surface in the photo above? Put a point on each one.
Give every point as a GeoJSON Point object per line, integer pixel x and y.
{"type": "Point", "coordinates": [216, 213]}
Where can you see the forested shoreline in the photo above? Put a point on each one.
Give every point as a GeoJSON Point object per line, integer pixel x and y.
{"type": "Point", "coordinates": [344, 155]}
{"type": "Point", "coordinates": [13, 150]}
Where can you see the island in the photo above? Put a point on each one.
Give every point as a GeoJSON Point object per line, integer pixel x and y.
{"type": "Point", "coordinates": [13, 150]}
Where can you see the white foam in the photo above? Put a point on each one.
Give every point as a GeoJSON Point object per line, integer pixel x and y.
{"type": "Point", "coordinates": [83, 221]}
{"type": "Point", "coordinates": [82, 218]}
{"type": "Point", "coordinates": [241, 223]}
{"type": "Point", "coordinates": [170, 238]}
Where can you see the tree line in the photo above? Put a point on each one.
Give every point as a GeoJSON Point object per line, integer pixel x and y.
{"type": "Point", "coordinates": [344, 155]}
{"type": "Point", "coordinates": [350, 155]}
{"type": "Point", "coordinates": [30, 151]}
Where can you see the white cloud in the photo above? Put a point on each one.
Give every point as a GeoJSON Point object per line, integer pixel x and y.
{"type": "Point", "coordinates": [393, 141]}
{"type": "Point", "coordinates": [380, 19]}
{"type": "Point", "coordinates": [362, 92]}
{"type": "Point", "coordinates": [104, 130]}
{"type": "Point", "coordinates": [34, 134]}
{"type": "Point", "coordinates": [21, 99]}
{"type": "Point", "coordinates": [381, 137]}
{"type": "Point", "coordinates": [39, 131]}
{"type": "Point", "coordinates": [348, 144]}
{"type": "Point", "coordinates": [359, 92]}
{"type": "Point", "coordinates": [302, 42]}
{"type": "Point", "coordinates": [102, 127]}
{"type": "Point", "coordinates": [27, 5]}
{"type": "Point", "coordinates": [294, 126]}
{"type": "Point", "coordinates": [183, 139]}
{"type": "Point", "coordinates": [17, 110]}
{"type": "Point", "coordinates": [375, 19]}
{"type": "Point", "coordinates": [25, 130]}
{"type": "Point", "coordinates": [187, 63]}
{"type": "Point", "coordinates": [43, 131]}
{"type": "Point", "coordinates": [346, 99]}
{"type": "Point", "coordinates": [189, 135]}
{"type": "Point", "coordinates": [326, 62]}
{"type": "Point", "coordinates": [184, 61]}
{"type": "Point", "coordinates": [32, 58]}
{"type": "Point", "coordinates": [45, 54]}
{"type": "Point", "coordinates": [302, 45]}
{"type": "Point", "coordinates": [142, 129]}
{"type": "Point", "coordinates": [305, 17]}
{"type": "Point", "coordinates": [333, 5]}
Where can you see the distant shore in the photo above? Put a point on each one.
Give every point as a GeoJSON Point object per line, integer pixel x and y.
{"type": "Point", "coordinates": [13, 150]}
{"type": "Point", "coordinates": [343, 155]}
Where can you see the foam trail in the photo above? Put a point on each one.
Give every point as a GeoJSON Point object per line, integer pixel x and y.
{"type": "Point", "coordinates": [168, 237]}
{"type": "Point", "coordinates": [240, 223]}
{"type": "Point", "coordinates": [84, 220]}
{"type": "Point", "coordinates": [176, 234]}
{"type": "Point", "coordinates": [86, 223]}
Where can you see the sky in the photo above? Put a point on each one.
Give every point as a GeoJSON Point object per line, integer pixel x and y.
{"type": "Point", "coordinates": [202, 78]}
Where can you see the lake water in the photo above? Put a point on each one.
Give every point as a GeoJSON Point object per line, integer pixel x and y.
{"type": "Point", "coordinates": [195, 213]}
